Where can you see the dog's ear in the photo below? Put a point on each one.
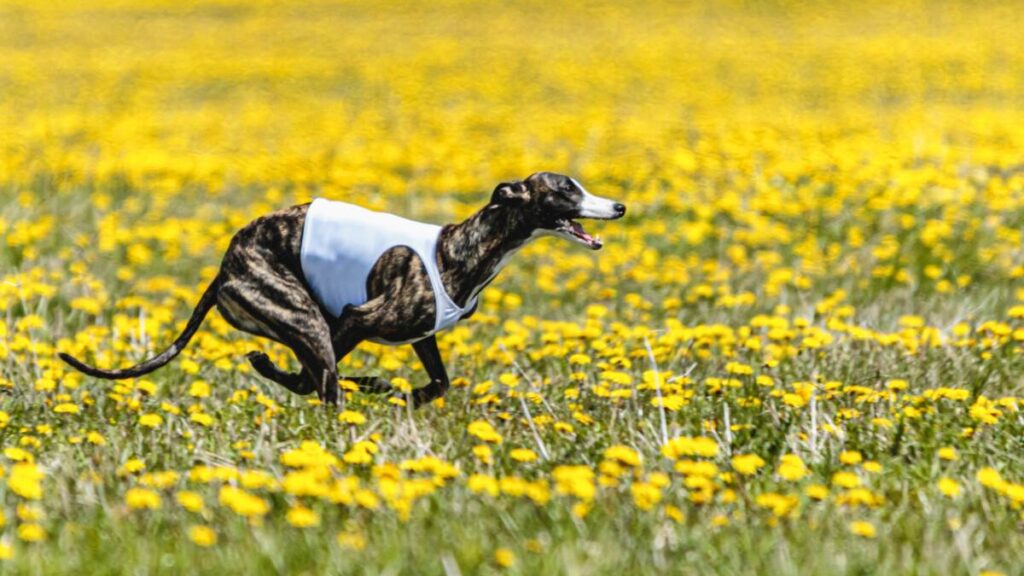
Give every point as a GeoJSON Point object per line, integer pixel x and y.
{"type": "Point", "coordinates": [510, 193]}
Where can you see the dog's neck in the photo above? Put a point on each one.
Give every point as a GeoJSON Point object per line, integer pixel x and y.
{"type": "Point", "coordinates": [471, 253]}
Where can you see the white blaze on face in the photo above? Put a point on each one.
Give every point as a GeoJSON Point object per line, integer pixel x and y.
{"type": "Point", "coordinates": [594, 206]}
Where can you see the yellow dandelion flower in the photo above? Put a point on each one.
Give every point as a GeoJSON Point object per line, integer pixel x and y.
{"type": "Point", "coordinates": [747, 464]}
{"type": "Point", "coordinates": [862, 529]}
{"type": "Point", "coordinates": [575, 480]}
{"type": "Point", "coordinates": [243, 503]}
{"type": "Point", "coordinates": [203, 536]}
{"type": "Point", "coordinates": [131, 466]}
{"type": "Point", "coordinates": [581, 509]}
{"type": "Point", "coordinates": [675, 514]}
{"type": "Point", "coordinates": [199, 389]}
{"type": "Point", "coordinates": [18, 455]}
{"type": "Point", "coordinates": [142, 498]}
{"type": "Point", "coordinates": [523, 455]}
{"type": "Point", "coordinates": [27, 513]}
{"type": "Point", "coordinates": [25, 481]}
{"type": "Point", "coordinates": [687, 446]}
{"type": "Point", "coordinates": [794, 400]}
{"type": "Point", "coordinates": [202, 419]}
{"type": "Point", "coordinates": [150, 420]}
{"type": "Point", "coordinates": [791, 467]}
{"type": "Point", "coordinates": [845, 480]}
{"type": "Point", "coordinates": [504, 557]}
{"type": "Point", "coordinates": [623, 455]}
{"type": "Point", "coordinates": [579, 359]}
{"type": "Point", "coordinates": [302, 517]}
{"type": "Point", "coordinates": [897, 384]}
{"type": "Point", "coordinates": [645, 495]}
{"type": "Point", "coordinates": [816, 491]}
{"type": "Point", "coordinates": [483, 430]}
{"type": "Point", "coordinates": [401, 384]}
{"type": "Point", "coordinates": [351, 417]}
{"type": "Point", "coordinates": [31, 533]}
{"type": "Point", "coordinates": [990, 478]}
{"type": "Point", "coordinates": [483, 453]}
{"type": "Point", "coordinates": [190, 501]}
{"type": "Point", "coordinates": [482, 483]}
{"type": "Point", "coordinates": [366, 499]}
{"type": "Point", "coordinates": [850, 457]}
{"type": "Point", "coordinates": [949, 487]}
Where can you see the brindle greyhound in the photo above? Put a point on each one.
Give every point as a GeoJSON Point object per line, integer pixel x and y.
{"type": "Point", "coordinates": [261, 288]}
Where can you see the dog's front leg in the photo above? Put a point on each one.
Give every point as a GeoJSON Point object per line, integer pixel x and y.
{"type": "Point", "coordinates": [430, 356]}
{"type": "Point", "coordinates": [347, 335]}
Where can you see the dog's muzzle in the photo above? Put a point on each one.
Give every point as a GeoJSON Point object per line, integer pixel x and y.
{"type": "Point", "coordinates": [592, 207]}
{"type": "Point", "coordinates": [600, 208]}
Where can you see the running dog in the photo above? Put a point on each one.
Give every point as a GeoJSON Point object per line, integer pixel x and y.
{"type": "Point", "coordinates": [322, 277]}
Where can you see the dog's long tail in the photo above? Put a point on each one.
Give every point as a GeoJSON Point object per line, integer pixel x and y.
{"type": "Point", "coordinates": [206, 302]}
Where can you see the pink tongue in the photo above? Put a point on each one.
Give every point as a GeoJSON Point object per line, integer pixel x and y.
{"type": "Point", "coordinates": [579, 231]}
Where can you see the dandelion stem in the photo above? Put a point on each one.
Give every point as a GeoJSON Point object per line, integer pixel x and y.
{"type": "Point", "coordinates": [814, 425]}
{"type": "Point", "coordinates": [533, 428]}
{"type": "Point", "coordinates": [657, 390]}
{"type": "Point", "coordinates": [728, 426]}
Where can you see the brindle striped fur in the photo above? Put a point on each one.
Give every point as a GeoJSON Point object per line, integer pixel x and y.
{"type": "Point", "coordinates": [261, 289]}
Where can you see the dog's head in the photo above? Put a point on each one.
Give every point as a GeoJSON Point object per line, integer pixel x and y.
{"type": "Point", "coordinates": [551, 203]}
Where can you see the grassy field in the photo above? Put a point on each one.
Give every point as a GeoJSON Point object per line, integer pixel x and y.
{"type": "Point", "coordinates": [800, 352]}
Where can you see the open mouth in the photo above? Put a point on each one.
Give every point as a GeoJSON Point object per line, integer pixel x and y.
{"type": "Point", "coordinates": [574, 231]}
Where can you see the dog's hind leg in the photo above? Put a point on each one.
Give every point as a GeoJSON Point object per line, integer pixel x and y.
{"type": "Point", "coordinates": [343, 342]}
{"type": "Point", "coordinates": [430, 356]}
{"type": "Point", "coordinates": [297, 382]}
{"type": "Point", "coordinates": [347, 335]}
{"type": "Point", "coordinates": [280, 308]}
{"type": "Point", "coordinates": [317, 359]}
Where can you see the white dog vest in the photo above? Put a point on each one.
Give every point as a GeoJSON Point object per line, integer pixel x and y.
{"type": "Point", "coordinates": [341, 242]}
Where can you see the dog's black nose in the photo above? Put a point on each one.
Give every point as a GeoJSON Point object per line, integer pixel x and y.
{"type": "Point", "coordinates": [620, 209]}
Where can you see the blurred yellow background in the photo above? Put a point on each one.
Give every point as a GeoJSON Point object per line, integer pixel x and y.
{"type": "Point", "coordinates": [823, 250]}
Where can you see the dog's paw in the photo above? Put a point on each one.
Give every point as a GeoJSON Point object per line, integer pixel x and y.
{"type": "Point", "coordinates": [259, 360]}
{"type": "Point", "coordinates": [422, 396]}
